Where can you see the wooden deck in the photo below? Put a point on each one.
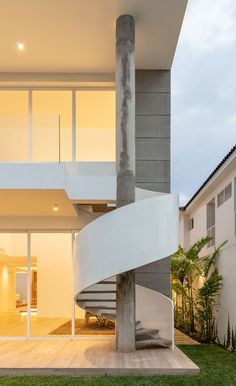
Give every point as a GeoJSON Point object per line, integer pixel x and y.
{"type": "Point", "coordinates": [181, 338]}
{"type": "Point", "coordinates": [88, 358]}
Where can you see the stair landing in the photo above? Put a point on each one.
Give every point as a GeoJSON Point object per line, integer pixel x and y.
{"type": "Point", "coordinates": [88, 358]}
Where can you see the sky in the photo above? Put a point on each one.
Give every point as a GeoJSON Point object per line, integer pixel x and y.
{"type": "Point", "coordinates": [203, 93]}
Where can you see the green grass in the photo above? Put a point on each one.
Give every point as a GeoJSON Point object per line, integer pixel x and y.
{"type": "Point", "coordinates": [218, 368]}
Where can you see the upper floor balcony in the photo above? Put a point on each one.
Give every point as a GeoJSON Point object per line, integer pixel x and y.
{"type": "Point", "coordinates": [57, 125]}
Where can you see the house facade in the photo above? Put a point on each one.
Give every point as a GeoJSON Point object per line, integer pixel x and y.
{"type": "Point", "coordinates": [212, 212]}
{"type": "Point", "coordinates": [62, 101]}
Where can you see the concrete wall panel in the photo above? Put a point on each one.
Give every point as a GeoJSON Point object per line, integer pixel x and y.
{"type": "Point", "coordinates": [153, 156]}
{"type": "Point", "coordinates": [152, 126]}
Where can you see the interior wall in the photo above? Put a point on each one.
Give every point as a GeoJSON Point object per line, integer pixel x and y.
{"type": "Point", "coordinates": [95, 125]}
{"type": "Point", "coordinates": [12, 248]}
{"type": "Point", "coordinates": [21, 285]}
{"type": "Point", "coordinates": [7, 288]}
{"type": "Point", "coordinates": [53, 252]}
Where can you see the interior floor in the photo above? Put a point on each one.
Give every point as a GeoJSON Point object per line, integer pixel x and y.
{"type": "Point", "coordinates": [15, 325]}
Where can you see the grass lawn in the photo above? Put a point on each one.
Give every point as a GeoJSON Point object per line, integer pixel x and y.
{"type": "Point", "coordinates": [218, 367]}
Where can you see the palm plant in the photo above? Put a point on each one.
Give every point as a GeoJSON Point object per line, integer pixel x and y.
{"type": "Point", "coordinates": [209, 261]}
{"type": "Point", "coordinates": [197, 307]}
{"type": "Point", "coordinates": [185, 268]}
{"type": "Point", "coordinates": [206, 306]}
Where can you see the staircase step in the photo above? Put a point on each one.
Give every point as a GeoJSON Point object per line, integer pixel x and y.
{"type": "Point", "coordinates": [97, 300]}
{"type": "Point", "coordinates": [152, 343]}
{"type": "Point", "coordinates": [148, 331]}
{"type": "Point", "coordinates": [94, 308]}
{"type": "Point", "coordinates": [107, 282]}
{"type": "Point", "coordinates": [143, 337]}
{"type": "Point", "coordinates": [98, 292]}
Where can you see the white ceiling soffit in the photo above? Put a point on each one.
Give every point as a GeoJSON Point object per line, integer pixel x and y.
{"type": "Point", "coordinates": [79, 35]}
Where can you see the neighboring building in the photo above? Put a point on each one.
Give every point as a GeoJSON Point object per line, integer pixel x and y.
{"type": "Point", "coordinates": [212, 211]}
{"type": "Point", "coordinates": [60, 122]}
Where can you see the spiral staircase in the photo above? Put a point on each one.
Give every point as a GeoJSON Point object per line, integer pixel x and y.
{"type": "Point", "coordinates": [122, 240]}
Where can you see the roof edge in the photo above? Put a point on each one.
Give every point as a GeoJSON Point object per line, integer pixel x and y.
{"type": "Point", "coordinates": [233, 149]}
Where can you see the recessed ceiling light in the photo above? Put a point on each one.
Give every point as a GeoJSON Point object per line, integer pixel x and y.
{"type": "Point", "coordinates": [20, 46]}
{"type": "Point", "coordinates": [55, 208]}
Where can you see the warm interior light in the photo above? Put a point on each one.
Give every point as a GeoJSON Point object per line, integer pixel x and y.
{"type": "Point", "coordinates": [55, 208]}
{"type": "Point", "coordinates": [32, 312]}
{"type": "Point", "coordinates": [20, 46]}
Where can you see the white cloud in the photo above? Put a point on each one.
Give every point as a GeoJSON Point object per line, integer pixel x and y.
{"type": "Point", "coordinates": [203, 84]}
{"type": "Point", "coordinates": [183, 199]}
{"type": "Point", "coordinates": [209, 24]}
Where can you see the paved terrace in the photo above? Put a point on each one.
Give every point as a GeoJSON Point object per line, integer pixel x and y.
{"type": "Point", "coordinates": [87, 357]}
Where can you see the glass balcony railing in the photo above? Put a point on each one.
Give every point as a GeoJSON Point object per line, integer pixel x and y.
{"type": "Point", "coordinates": [35, 138]}
{"type": "Point", "coordinates": [47, 138]}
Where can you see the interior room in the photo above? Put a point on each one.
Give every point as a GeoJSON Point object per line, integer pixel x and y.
{"type": "Point", "coordinates": [36, 288]}
{"type": "Point", "coordinates": [57, 125]}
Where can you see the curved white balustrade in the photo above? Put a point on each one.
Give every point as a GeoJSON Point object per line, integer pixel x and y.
{"type": "Point", "coordinates": [155, 311]}
{"type": "Point", "coordinates": [125, 239]}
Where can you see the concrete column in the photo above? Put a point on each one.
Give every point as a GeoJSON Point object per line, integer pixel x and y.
{"type": "Point", "coordinates": [125, 164]}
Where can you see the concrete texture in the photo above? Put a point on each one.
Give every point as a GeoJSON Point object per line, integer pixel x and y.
{"type": "Point", "coordinates": [152, 103]}
{"type": "Point", "coordinates": [153, 156]}
{"type": "Point", "coordinates": [125, 164]}
{"type": "Point", "coordinates": [152, 149]}
{"type": "Point", "coordinates": [152, 126]}
{"type": "Point", "coordinates": [152, 81]}
{"type": "Point", "coordinates": [154, 186]}
{"type": "Point", "coordinates": [152, 171]}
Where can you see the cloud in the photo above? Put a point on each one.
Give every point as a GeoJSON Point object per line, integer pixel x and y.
{"type": "Point", "coordinates": [209, 24]}
{"type": "Point", "coordinates": [203, 93]}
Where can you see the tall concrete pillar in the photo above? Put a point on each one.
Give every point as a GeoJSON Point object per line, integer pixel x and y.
{"type": "Point", "coordinates": [125, 164]}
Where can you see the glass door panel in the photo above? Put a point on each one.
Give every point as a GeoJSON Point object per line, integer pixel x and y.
{"type": "Point", "coordinates": [51, 284]}
{"type": "Point", "coordinates": [13, 126]}
{"type": "Point", "coordinates": [52, 125]}
{"type": "Point", "coordinates": [13, 284]}
{"type": "Point", "coordinates": [95, 126]}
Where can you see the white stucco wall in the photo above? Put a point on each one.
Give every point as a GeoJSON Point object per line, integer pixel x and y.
{"type": "Point", "coordinates": [224, 230]}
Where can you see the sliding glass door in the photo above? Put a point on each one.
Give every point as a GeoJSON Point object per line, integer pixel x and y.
{"type": "Point", "coordinates": [57, 125]}
{"type": "Point", "coordinates": [51, 284]}
{"type": "Point", "coordinates": [13, 284]}
{"type": "Point", "coordinates": [14, 138]}
{"type": "Point", "coordinates": [36, 289]}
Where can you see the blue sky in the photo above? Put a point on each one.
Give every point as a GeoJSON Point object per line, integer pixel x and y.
{"type": "Point", "coordinates": [203, 93]}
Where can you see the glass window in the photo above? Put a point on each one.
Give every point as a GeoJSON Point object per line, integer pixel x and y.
{"type": "Point", "coordinates": [191, 223]}
{"type": "Point", "coordinates": [228, 192]}
{"type": "Point", "coordinates": [52, 125]}
{"type": "Point", "coordinates": [211, 222]}
{"type": "Point", "coordinates": [95, 125]}
{"type": "Point", "coordinates": [220, 198]}
{"type": "Point", "coordinates": [13, 284]}
{"type": "Point", "coordinates": [211, 213]}
{"type": "Point", "coordinates": [13, 125]}
{"type": "Point", "coordinates": [211, 233]}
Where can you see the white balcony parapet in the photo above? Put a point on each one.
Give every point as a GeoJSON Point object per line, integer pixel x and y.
{"type": "Point", "coordinates": [80, 180]}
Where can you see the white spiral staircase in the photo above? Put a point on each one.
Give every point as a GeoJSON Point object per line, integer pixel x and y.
{"type": "Point", "coordinates": [121, 240]}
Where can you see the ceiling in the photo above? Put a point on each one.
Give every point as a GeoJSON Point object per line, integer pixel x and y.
{"type": "Point", "coordinates": [78, 36]}
{"type": "Point", "coordinates": [35, 203]}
